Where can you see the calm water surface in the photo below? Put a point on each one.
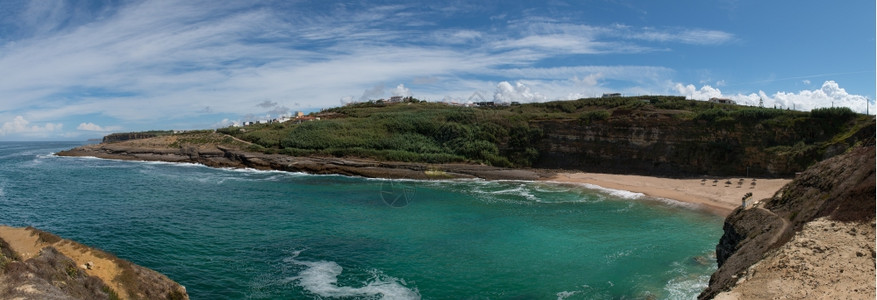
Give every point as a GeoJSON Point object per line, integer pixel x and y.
{"type": "Point", "coordinates": [243, 234]}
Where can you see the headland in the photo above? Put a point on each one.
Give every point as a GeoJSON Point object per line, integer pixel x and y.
{"type": "Point", "coordinates": [35, 264]}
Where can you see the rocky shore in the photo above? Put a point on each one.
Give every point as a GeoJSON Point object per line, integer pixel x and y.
{"type": "Point", "coordinates": [814, 239]}
{"type": "Point", "coordinates": [35, 264]}
{"type": "Point", "coordinates": [222, 156]}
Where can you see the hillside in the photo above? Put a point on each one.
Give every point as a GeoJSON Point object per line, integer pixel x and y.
{"type": "Point", "coordinates": [649, 135]}
{"type": "Point", "coordinates": [814, 239]}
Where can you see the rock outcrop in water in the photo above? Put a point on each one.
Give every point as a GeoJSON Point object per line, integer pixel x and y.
{"type": "Point", "coordinates": [38, 265]}
{"type": "Point", "coordinates": [165, 148]}
{"type": "Point", "coordinates": [813, 240]}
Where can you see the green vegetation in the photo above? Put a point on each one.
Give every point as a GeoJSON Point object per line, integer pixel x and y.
{"type": "Point", "coordinates": [413, 132]}
{"type": "Point", "coordinates": [111, 294]}
{"type": "Point", "coordinates": [6, 255]}
{"type": "Point", "coordinates": [205, 137]}
{"type": "Point", "coordinates": [510, 136]}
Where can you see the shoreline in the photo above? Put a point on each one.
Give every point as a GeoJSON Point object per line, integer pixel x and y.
{"type": "Point", "coordinates": [711, 194]}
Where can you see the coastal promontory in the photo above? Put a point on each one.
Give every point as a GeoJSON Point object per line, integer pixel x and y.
{"type": "Point", "coordinates": [814, 239]}
{"type": "Point", "coordinates": [35, 264]}
{"type": "Point", "coordinates": [645, 135]}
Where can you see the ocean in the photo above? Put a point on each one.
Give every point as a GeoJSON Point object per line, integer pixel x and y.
{"type": "Point", "coordinates": [247, 234]}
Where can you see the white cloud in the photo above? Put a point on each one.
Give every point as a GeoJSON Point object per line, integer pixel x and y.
{"type": "Point", "coordinates": [225, 123]}
{"type": "Point", "coordinates": [829, 95]}
{"type": "Point", "coordinates": [589, 80]}
{"type": "Point", "coordinates": [685, 36]}
{"type": "Point", "coordinates": [505, 92]}
{"type": "Point", "coordinates": [373, 93]}
{"type": "Point", "coordinates": [155, 61]}
{"type": "Point", "coordinates": [704, 93]}
{"type": "Point", "coordinates": [569, 44]}
{"type": "Point", "coordinates": [401, 90]}
{"type": "Point", "coordinates": [806, 81]}
{"type": "Point", "coordinates": [88, 126]}
{"type": "Point", "coordinates": [456, 36]}
{"type": "Point", "coordinates": [19, 125]}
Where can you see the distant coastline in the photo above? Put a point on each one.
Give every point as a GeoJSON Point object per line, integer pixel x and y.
{"type": "Point", "coordinates": [713, 195]}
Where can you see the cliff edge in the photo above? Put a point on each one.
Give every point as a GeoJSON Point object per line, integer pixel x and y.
{"type": "Point", "coordinates": [35, 264]}
{"type": "Point", "coordinates": [813, 239]}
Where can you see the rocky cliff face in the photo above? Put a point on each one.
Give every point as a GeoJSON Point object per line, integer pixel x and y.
{"type": "Point", "coordinates": [38, 265]}
{"type": "Point", "coordinates": [125, 136]}
{"type": "Point", "coordinates": [663, 143]}
{"type": "Point", "coordinates": [812, 239]}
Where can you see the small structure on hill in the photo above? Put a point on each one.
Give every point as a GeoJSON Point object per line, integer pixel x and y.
{"type": "Point", "coordinates": [611, 95]}
{"type": "Point", "coordinates": [722, 100]}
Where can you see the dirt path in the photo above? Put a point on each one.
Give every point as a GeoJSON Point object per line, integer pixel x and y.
{"type": "Point", "coordinates": [239, 140]}
{"type": "Point", "coordinates": [779, 233]}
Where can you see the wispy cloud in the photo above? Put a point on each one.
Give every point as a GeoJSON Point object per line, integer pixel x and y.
{"type": "Point", "coordinates": [168, 60]}
{"type": "Point", "coordinates": [685, 36]}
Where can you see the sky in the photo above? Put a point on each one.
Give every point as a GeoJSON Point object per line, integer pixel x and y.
{"type": "Point", "coordinates": [73, 70]}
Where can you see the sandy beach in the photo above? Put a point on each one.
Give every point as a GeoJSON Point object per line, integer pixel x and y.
{"type": "Point", "coordinates": [714, 195]}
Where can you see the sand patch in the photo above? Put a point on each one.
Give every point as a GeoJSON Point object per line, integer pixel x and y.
{"type": "Point", "coordinates": [825, 260]}
{"type": "Point", "coordinates": [716, 195]}
{"type": "Point", "coordinates": [27, 243]}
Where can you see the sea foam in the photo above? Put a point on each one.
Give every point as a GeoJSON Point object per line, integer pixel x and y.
{"type": "Point", "coordinates": [321, 278]}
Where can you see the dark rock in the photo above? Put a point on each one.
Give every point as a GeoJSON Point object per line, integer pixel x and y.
{"type": "Point", "coordinates": [50, 275]}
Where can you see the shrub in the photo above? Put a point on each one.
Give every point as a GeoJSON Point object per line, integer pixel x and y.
{"type": "Point", "coordinates": [834, 113]}
{"type": "Point", "coordinates": [595, 115]}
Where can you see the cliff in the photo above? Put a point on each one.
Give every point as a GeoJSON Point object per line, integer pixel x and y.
{"type": "Point", "coordinates": [124, 136]}
{"type": "Point", "coordinates": [813, 239]}
{"type": "Point", "coordinates": [39, 265]}
{"type": "Point", "coordinates": [646, 135]}
{"type": "Point", "coordinates": [663, 142]}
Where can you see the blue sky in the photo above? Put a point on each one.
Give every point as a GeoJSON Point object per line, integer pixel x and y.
{"type": "Point", "coordinates": [71, 70]}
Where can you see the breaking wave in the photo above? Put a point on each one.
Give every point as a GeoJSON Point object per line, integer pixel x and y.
{"type": "Point", "coordinates": [321, 278]}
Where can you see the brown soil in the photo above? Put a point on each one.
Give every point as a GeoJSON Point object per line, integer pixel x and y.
{"type": "Point", "coordinates": [826, 260]}
{"type": "Point", "coordinates": [129, 281]}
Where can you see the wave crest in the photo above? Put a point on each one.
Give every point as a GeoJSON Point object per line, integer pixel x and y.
{"type": "Point", "coordinates": [321, 278]}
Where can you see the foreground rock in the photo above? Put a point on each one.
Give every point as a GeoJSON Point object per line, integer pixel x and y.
{"type": "Point", "coordinates": [38, 265]}
{"type": "Point", "coordinates": [813, 240]}
{"type": "Point", "coordinates": [173, 149]}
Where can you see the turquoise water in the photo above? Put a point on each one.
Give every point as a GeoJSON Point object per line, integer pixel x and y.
{"type": "Point", "coordinates": [244, 234]}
